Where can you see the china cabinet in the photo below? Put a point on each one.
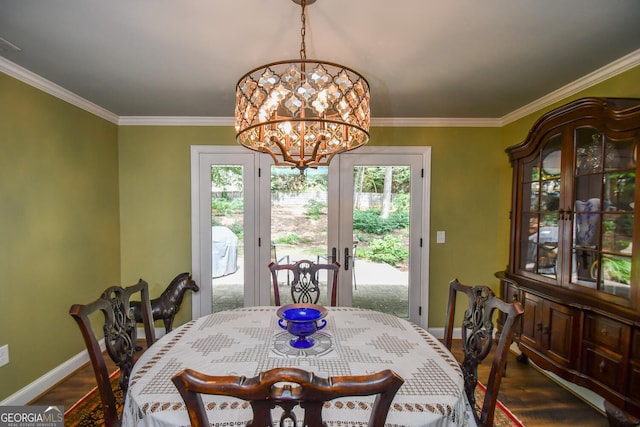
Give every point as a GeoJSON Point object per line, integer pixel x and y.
{"type": "Point", "coordinates": [573, 233]}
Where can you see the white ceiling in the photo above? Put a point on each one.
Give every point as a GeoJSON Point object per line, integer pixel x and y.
{"type": "Point", "coordinates": [422, 58]}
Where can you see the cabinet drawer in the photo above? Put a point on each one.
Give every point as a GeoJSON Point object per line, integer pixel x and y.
{"type": "Point", "coordinates": [511, 293]}
{"type": "Point", "coordinates": [607, 332]}
{"type": "Point", "coordinates": [604, 368]}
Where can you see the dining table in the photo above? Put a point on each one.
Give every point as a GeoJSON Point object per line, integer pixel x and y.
{"type": "Point", "coordinates": [247, 341]}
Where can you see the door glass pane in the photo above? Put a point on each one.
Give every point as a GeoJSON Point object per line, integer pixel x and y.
{"type": "Point", "coordinates": [588, 151]}
{"type": "Point", "coordinates": [380, 266]}
{"type": "Point", "coordinates": [587, 206]}
{"type": "Point", "coordinates": [227, 229]}
{"type": "Point", "coordinates": [603, 212]}
{"type": "Point", "coordinates": [541, 204]}
{"type": "Point", "coordinates": [299, 223]}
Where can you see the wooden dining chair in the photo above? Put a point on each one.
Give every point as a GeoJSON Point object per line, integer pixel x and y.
{"type": "Point", "coordinates": [477, 341]}
{"type": "Point", "coordinates": [305, 283]}
{"type": "Point", "coordinates": [309, 393]}
{"type": "Point", "coordinates": [119, 336]}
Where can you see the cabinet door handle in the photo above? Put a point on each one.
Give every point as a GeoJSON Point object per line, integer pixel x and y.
{"type": "Point", "coordinates": [602, 366]}
{"type": "Point", "coordinates": [567, 214]}
{"type": "Point", "coordinates": [564, 214]}
{"type": "Point", "coordinates": [604, 332]}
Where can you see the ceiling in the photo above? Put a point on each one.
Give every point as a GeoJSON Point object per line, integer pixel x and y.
{"type": "Point", "coordinates": [422, 58]}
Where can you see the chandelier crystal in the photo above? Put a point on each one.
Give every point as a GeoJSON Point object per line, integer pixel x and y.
{"type": "Point", "coordinates": [302, 112]}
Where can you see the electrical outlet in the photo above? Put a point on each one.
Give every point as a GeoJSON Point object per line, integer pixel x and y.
{"type": "Point", "coordinates": [4, 355]}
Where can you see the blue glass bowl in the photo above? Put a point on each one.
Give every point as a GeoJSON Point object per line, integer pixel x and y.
{"type": "Point", "coordinates": [301, 321]}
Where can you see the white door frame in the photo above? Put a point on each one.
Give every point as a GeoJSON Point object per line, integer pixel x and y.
{"type": "Point", "coordinates": [257, 280]}
{"type": "Point", "coordinates": [202, 157]}
{"type": "Point", "coordinates": [420, 219]}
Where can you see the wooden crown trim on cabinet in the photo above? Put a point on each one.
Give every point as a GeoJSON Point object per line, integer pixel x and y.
{"type": "Point", "coordinates": [616, 111]}
{"type": "Point", "coordinates": [574, 234]}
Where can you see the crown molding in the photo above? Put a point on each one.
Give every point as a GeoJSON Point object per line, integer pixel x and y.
{"type": "Point", "coordinates": [175, 121]}
{"type": "Point", "coordinates": [610, 70]}
{"type": "Point", "coordinates": [433, 122]}
{"type": "Point", "coordinates": [379, 122]}
{"type": "Point", "coordinates": [618, 66]}
{"type": "Point", "coordinates": [32, 79]}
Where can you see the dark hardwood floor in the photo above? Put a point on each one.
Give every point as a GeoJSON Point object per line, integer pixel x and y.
{"type": "Point", "coordinates": [531, 396]}
{"type": "Point", "coordinates": [73, 388]}
{"type": "Point", "coordinates": [535, 399]}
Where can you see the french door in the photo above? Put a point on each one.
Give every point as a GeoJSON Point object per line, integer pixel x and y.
{"type": "Point", "coordinates": [393, 275]}
{"type": "Point", "coordinates": [248, 212]}
{"type": "Point", "coordinates": [223, 198]}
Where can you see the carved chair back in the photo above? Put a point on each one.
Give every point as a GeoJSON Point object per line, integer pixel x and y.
{"type": "Point", "coordinates": [119, 335]}
{"type": "Point", "coordinates": [305, 284]}
{"type": "Point", "coordinates": [287, 388]}
{"type": "Point", "coordinates": [477, 341]}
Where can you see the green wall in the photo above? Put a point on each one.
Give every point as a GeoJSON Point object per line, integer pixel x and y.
{"type": "Point", "coordinates": [155, 199]}
{"type": "Point", "coordinates": [625, 85]}
{"type": "Point", "coordinates": [59, 226]}
{"type": "Point", "coordinates": [470, 176]}
{"type": "Point", "coordinates": [86, 204]}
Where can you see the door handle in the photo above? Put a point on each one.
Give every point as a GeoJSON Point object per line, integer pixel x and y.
{"type": "Point", "coordinates": [334, 254]}
{"type": "Point", "coordinates": [346, 259]}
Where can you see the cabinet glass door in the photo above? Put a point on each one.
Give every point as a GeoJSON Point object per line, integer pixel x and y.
{"type": "Point", "coordinates": [603, 211]}
{"type": "Point", "coordinates": [540, 211]}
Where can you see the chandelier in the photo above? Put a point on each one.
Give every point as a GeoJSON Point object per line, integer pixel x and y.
{"type": "Point", "coordinates": [302, 112]}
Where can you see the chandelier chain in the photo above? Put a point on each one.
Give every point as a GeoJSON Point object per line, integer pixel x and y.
{"type": "Point", "coordinates": [303, 31]}
{"type": "Point", "coordinates": [302, 118]}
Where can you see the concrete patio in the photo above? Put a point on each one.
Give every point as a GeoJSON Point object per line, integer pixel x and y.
{"type": "Point", "coordinates": [377, 286]}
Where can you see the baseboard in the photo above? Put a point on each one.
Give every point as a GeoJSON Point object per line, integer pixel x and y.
{"type": "Point", "coordinates": [53, 377]}
{"type": "Point", "coordinates": [439, 333]}
{"type": "Point", "coordinates": [48, 380]}
{"type": "Point", "coordinates": [160, 332]}
{"type": "Point", "coordinates": [587, 396]}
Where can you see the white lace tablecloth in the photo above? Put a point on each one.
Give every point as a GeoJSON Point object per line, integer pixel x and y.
{"type": "Point", "coordinates": [247, 341]}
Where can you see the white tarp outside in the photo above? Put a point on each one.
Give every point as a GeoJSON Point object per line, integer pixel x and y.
{"type": "Point", "coordinates": [224, 251]}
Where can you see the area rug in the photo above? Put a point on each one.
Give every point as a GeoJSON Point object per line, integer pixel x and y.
{"type": "Point", "coordinates": [502, 416]}
{"type": "Point", "coordinates": [87, 412]}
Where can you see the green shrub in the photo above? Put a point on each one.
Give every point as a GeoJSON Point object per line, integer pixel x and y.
{"type": "Point", "coordinates": [222, 206]}
{"type": "Point", "coordinates": [389, 250]}
{"type": "Point", "coordinates": [401, 202]}
{"type": "Point", "coordinates": [370, 221]}
{"type": "Point", "coordinates": [315, 209]}
{"type": "Point", "coordinates": [238, 230]}
{"type": "Point", "coordinates": [618, 270]}
{"type": "Point", "coordinates": [290, 239]}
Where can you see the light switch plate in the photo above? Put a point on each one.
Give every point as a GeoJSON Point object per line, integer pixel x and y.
{"type": "Point", "coordinates": [4, 355]}
{"type": "Point", "coordinates": [440, 236]}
